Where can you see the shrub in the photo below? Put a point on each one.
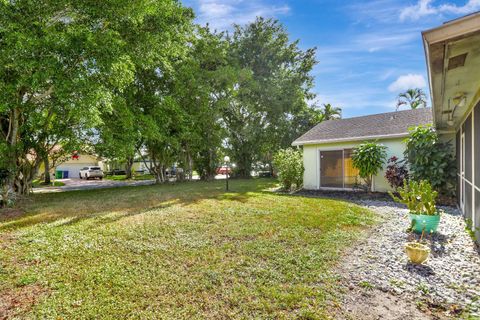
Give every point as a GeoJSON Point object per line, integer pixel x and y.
{"type": "Point", "coordinates": [289, 165]}
{"type": "Point", "coordinates": [419, 197]}
{"type": "Point", "coordinates": [396, 172]}
{"type": "Point", "coordinates": [430, 159]}
{"type": "Point", "coordinates": [369, 158]}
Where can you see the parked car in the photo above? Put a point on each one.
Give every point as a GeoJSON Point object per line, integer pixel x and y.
{"type": "Point", "coordinates": [119, 172]}
{"type": "Point", "coordinates": [224, 170]}
{"type": "Point", "coordinates": [91, 172]}
{"type": "Point", "coordinates": [264, 174]}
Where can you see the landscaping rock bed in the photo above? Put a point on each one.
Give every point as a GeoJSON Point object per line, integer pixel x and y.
{"type": "Point", "coordinates": [448, 281]}
{"type": "Point", "coordinates": [447, 284]}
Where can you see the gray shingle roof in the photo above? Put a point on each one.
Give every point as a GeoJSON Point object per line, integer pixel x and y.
{"type": "Point", "coordinates": [368, 127]}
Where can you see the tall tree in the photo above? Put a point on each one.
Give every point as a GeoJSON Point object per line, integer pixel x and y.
{"type": "Point", "coordinates": [275, 86]}
{"type": "Point", "coordinates": [118, 135]}
{"type": "Point", "coordinates": [414, 98]}
{"type": "Point", "coordinates": [331, 113]}
{"type": "Point", "coordinates": [202, 82]}
{"type": "Point", "coordinates": [55, 58]}
{"type": "Point", "coordinates": [62, 63]}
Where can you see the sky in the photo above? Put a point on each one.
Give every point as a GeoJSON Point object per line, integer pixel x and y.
{"type": "Point", "coordinates": [367, 51]}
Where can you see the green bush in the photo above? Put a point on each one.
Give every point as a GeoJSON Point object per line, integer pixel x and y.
{"type": "Point", "coordinates": [419, 197]}
{"type": "Point", "coordinates": [289, 165]}
{"type": "Point", "coordinates": [430, 159]}
{"type": "Point", "coordinates": [369, 158]}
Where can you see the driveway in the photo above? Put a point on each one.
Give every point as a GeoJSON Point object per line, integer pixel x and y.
{"type": "Point", "coordinates": [81, 184]}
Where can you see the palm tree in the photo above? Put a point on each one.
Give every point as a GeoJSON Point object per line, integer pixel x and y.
{"type": "Point", "coordinates": [412, 97]}
{"type": "Point", "coordinates": [331, 113]}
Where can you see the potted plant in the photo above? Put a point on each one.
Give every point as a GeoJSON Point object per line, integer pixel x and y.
{"type": "Point", "coordinates": [417, 252]}
{"type": "Point", "coordinates": [419, 197]}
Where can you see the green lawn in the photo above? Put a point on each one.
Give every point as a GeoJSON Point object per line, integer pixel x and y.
{"type": "Point", "coordinates": [184, 251]}
{"type": "Point", "coordinates": [41, 184]}
{"type": "Point", "coordinates": [122, 177]}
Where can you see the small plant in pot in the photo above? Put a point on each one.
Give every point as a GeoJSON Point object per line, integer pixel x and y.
{"type": "Point", "coordinates": [419, 197]}
{"type": "Point", "coordinates": [417, 252]}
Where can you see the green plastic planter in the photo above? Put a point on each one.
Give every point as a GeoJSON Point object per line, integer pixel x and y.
{"type": "Point", "coordinates": [421, 221]}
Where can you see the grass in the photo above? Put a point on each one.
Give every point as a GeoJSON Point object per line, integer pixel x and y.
{"type": "Point", "coordinates": [41, 184]}
{"type": "Point", "coordinates": [135, 177]}
{"type": "Point", "coordinates": [183, 251]}
{"type": "Point", "coordinates": [366, 285]}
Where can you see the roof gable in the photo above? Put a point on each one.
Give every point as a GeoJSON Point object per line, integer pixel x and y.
{"type": "Point", "coordinates": [375, 126]}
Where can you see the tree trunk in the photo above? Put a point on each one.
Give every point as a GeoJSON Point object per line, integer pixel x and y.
{"type": "Point", "coordinates": [128, 167]}
{"type": "Point", "coordinates": [46, 163]}
{"type": "Point", "coordinates": [190, 167]}
{"type": "Point", "coordinates": [12, 139]}
{"type": "Point", "coordinates": [24, 177]}
{"type": "Point", "coordinates": [158, 179]}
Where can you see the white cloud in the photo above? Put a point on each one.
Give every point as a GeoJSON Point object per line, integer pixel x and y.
{"type": "Point", "coordinates": [376, 41]}
{"type": "Point", "coordinates": [406, 82]}
{"type": "Point", "coordinates": [368, 12]}
{"type": "Point", "coordinates": [425, 8]}
{"type": "Point", "coordinates": [221, 14]}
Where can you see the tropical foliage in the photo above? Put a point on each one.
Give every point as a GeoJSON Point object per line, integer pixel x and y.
{"type": "Point", "coordinates": [289, 166]}
{"type": "Point", "coordinates": [431, 159]}
{"type": "Point", "coordinates": [369, 158]}
{"type": "Point", "coordinates": [418, 196]}
{"type": "Point", "coordinates": [396, 172]}
{"type": "Point", "coordinates": [330, 113]}
{"type": "Point", "coordinates": [413, 98]}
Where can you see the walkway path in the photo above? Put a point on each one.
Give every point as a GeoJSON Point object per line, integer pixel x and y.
{"type": "Point", "coordinates": [82, 184]}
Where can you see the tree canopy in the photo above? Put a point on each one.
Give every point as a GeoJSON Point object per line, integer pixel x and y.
{"type": "Point", "coordinates": [139, 80]}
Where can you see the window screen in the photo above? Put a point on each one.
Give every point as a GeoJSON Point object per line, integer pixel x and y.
{"type": "Point", "coordinates": [468, 148]}
{"type": "Point", "coordinates": [476, 135]}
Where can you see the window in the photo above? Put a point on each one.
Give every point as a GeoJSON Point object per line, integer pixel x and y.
{"type": "Point", "coordinates": [350, 172]}
{"type": "Point", "coordinates": [336, 169]}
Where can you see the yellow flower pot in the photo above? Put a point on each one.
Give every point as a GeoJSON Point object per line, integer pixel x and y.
{"type": "Point", "coordinates": [417, 253]}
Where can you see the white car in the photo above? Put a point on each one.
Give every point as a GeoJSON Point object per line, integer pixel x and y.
{"type": "Point", "coordinates": [91, 172]}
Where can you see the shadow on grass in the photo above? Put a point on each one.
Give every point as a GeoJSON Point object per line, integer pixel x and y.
{"type": "Point", "coordinates": [77, 206]}
{"type": "Point", "coordinates": [318, 195]}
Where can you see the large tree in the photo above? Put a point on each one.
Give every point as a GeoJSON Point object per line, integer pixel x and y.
{"type": "Point", "coordinates": [274, 88]}
{"type": "Point", "coordinates": [62, 63]}
{"type": "Point", "coordinates": [118, 135]}
{"type": "Point", "coordinates": [54, 59]}
{"type": "Point", "coordinates": [202, 87]}
{"type": "Point", "coordinates": [154, 45]}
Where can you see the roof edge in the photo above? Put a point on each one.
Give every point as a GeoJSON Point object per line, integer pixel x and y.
{"type": "Point", "coordinates": [453, 29]}
{"type": "Point", "coordinates": [324, 141]}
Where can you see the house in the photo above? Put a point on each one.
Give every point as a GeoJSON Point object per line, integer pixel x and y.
{"type": "Point", "coordinates": [139, 166]}
{"type": "Point", "coordinates": [453, 60]}
{"type": "Point", "coordinates": [78, 161]}
{"type": "Point", "coordinates": [328, 147]}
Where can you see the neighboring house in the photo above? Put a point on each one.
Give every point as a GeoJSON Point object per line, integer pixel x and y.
{"type": "Point", "coordinates": [78, 161]}
{"type": "Point", "coordinates": [139, 166]}
{"type": "Point", "coordinates": [453, 60]}
{"type": "Point", "coordinates": [328, 147]}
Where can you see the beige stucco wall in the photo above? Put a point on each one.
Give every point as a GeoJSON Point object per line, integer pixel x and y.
{"type": "Point", "coordinates": [84, 159]}
{"type": "Point", "coordinates": [311, 161]}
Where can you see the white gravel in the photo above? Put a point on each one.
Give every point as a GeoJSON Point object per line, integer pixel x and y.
{"type": "Point", "coordinates": [450, 277]}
